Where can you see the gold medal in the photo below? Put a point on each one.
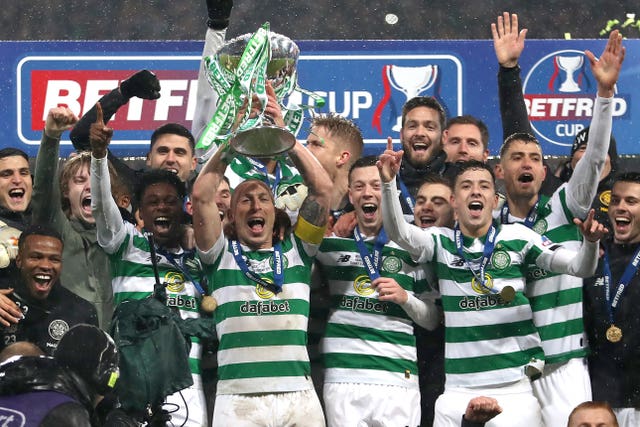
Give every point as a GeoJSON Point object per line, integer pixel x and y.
{"type": "Point", "coordinates": [208, 304]}
{"type": "Point", "coordinates": [614, 334]}
{"type": "Point", "coordinates": [508, 294]}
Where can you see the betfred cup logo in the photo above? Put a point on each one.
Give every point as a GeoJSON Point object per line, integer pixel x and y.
{"type": "Point", "coordinates": [411, 81]}
{"type": "Point", "coordinates": [569, 64]}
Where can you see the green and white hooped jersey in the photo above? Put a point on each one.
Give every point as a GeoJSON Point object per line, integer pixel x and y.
{"type": "Point", "coordinates": [556, 299]}
{"type": "Point", "coordinates": [133, 278]}
{"type": "Point", "coordinates": [263, 336]}
{"type": "Point", "coordinates": [487, 341]}
{"type": "Point", "coordinates": [366, 340]}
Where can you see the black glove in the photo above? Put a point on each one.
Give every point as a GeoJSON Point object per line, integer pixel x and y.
{"type": "Point", "coordinates": [219, 12]}
{"type": "Point", "coordinates": [143, 84]}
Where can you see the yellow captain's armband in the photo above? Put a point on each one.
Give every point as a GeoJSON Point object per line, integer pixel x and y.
{"type": "Point", "coordinates": [309, 232]}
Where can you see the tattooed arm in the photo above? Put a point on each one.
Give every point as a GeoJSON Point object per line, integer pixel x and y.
{"type": "Point", "coordinates": [314, 212]}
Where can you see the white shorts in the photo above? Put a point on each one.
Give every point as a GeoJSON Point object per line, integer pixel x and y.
{"type": "Point", "coordinates": [191, 407]}
{"type": "Point", "coordinates": [371, 405]}
{"type": "Point", "coordinates": [520, 408]}
{"type": "Point", "coordinates": [290, 409]}
{"type": "Point", "coordinates": [562, 387]}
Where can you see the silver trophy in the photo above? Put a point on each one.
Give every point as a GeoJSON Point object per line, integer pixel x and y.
{"type": "Point", "coordinates": [266, 139]}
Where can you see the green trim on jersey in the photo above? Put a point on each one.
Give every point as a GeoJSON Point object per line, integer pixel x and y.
{"type": "Point", "coordinates": [355, 349]}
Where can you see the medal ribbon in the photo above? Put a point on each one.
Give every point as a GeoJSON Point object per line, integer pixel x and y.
{"type": "Point", "coordinates": [370, 260]}
{"type": "Point", "coordinates": [529, 221]}
{"type": "Point", "coordinates": [613, 300]}
{"type": "Point", "coordinates": [489, 245]}
{"type": "Point", "coordinates": [406, 194]}
{"type": "Point", "coordinates": [278, 272]}
{"type": "Point", "coordinates": [265, 174]}
{"type": "Point", "coordinates": [182, 266]}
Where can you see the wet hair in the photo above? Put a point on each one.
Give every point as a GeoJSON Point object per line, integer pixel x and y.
{"type": "Point", "coordinates": [633, 177]}
{"type": "Point", "coordinates": [470, 120]}
{"type": "Point", "coordinates": [37, 229]}
{"type": "Point", "coordinates": [434, 178]}
{"type": "Point", "coordinates": [362, 162]}
{"type": "Point", "coordinates": [518, 136]}
{"type": "Point", "coordinates": [157, 176]}
{"type": "Point", "coordinates": [282, 222]}
{"type": "Point", "coordinates": [343, 129]}
{"type": "Point", "coordinates": [173, 129]}
{"type": "Point", "coordinates": [424, 101]}
{"type": "Point", "coordinates": [11, 151]}
{"type": "Point", "coordinates": [71, 167]}
{"type": "Point", "coordinates": [594, 405]}
{"type": "Point", "coordinates": [473, 165]}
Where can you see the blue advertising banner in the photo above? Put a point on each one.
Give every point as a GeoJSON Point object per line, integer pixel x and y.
{"type": "Point", "coordinates": [366, 81]}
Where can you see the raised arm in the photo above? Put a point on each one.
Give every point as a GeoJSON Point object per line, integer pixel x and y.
{"type": "Point", "coordinates": [218, 12]}
{"type": "Point", "coordinates": [45, 203]}
{"type": "Point", "coordinates": [109, 225]}
{"type": "Point", "coordinates": [145, 85]}
{"type": "Point", "coordinates": [418, 242]}
{"type": "Point", "coordinates": [583, 184]}
{"type": "Point", "coordinates": [207, 224]}
{"type": "Point", "coordinates": [315, 208]}
{"type": "Point", "coordinates": [508, 44]}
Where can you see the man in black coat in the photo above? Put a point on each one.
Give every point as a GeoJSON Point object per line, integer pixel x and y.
{"type": "Point", "coordinates": [611, 303]}
{"type": "Point", "coordinates": [48, 309]}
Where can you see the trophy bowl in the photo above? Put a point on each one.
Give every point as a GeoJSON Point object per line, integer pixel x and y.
{"type": "Point", "coordinates": [266, 139]}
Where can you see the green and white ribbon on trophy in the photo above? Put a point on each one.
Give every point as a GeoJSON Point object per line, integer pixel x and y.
{"type": "Point", "coordinates": [238, 72]}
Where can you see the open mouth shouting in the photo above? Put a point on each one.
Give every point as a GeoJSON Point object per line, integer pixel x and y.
{"type": "Point", "coordinates": [421, 146]}
{"type": "Point", "coordinates": [369, 210]}
{"type": "Point", "coordinates": [162, 224]}
{"type": "Point", "coordinates": [171, 169]}
{"type": "Point", "coordinates": [256, 225]}
{"type": "Point", "coordinates": [426, 221]}
{"type": "Point", "coordinates": [622, 224]}
{"type": "Point", "coordinates": [42, 281]}
{"type": "Point", "coordinates": [86, 203]}
{"type": "Point", "coordinates": [17, 195]}
{"type": "Point", "coordinates": [475, 208]}
{"type": "Point", "coordinates": [525, 178]}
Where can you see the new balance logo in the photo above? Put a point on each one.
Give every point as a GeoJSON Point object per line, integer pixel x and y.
{"type": "Point", "coordinates": [344, 258]}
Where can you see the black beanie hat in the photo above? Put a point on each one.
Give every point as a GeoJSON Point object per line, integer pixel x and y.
{"type": "Point", "coordinates": [582, 138]}
{"type": "Point", "coordinates": [90, 353]}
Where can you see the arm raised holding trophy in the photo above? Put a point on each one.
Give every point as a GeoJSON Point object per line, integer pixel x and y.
{"type": "Point", "coordinates": [260, 279]}
{"type": "Point", "coordinates": [260, 67]}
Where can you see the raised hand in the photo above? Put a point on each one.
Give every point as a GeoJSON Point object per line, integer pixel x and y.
{"type": "Point", "coordinates": [389, 162]}
{"type": "Point", "coordinates": [591, 229]}
{"type": "Point", "coordinates": [59, 120]}
{"type": "Point", "coordinates": [507, 41]}
{"type": "Point", "coordinates": [143, 84]}
{"type": "Point", "coordinates": [99, 135]}
{"type": "Point", "coordinates": [273, 109]}
{"type": "Point", "coordinates": [606, 70]}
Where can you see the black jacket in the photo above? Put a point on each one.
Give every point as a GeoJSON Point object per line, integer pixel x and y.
{"type": "Point", "coordinates": [45, 321]}
{"type": "Point", "coordinates": [614, 367]}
